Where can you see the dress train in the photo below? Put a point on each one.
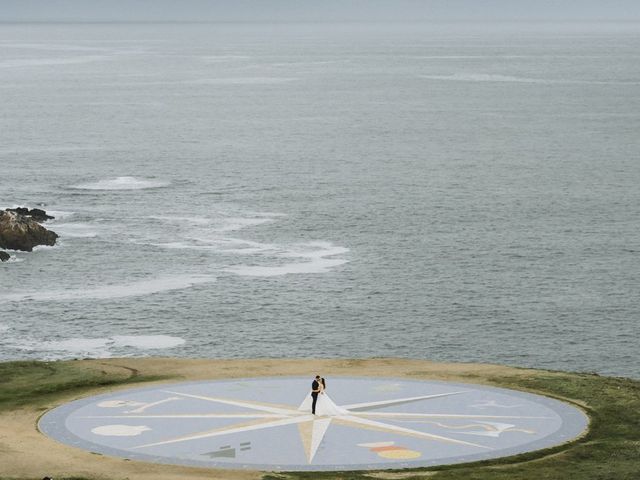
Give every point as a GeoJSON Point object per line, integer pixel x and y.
{"type": "Point", "coordinates": [324, 406]}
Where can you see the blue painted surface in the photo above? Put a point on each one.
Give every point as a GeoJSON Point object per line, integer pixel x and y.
{"type": "Point", "coordinates": [467, 426]}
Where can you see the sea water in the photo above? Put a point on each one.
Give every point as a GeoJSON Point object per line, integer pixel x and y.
{"type": "Point", "coordinates": [454, 193]}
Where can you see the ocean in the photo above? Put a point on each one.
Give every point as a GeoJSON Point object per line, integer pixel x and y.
{"type": "Point", "coordinates": [461, 193]}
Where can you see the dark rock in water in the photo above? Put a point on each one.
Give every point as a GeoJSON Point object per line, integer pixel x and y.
{"type": "Point", "coordinates": [4, 256]}
{"type": "Point", "coordinates": [35, 213]}
{"type": "Point", "coordinates": [40, 215]}
{"type": "Point", "coordinates": [20, 210]}
{"type": "Point", "coordinates": [21, 232]}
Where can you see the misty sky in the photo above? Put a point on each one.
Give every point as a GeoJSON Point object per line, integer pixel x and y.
{"type": "Point", "coordinates": [317, 10]}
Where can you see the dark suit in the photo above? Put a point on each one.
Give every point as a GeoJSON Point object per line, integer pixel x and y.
{"type": "Point", "coordinates": [314, 394]}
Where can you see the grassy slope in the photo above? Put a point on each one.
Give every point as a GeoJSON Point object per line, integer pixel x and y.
{"type": "Point", "coordinates": [37, 383]}
{"type": "Point", "coordinates": [611, 449]}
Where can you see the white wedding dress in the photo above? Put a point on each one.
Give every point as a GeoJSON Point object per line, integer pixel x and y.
{"type": "Point", "coordinates": [324, 406]}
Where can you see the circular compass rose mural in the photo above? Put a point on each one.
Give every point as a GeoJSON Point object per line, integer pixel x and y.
{"type": "Point", "coordinates": [263, 424]}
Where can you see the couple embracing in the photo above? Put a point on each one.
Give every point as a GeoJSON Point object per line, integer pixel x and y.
{"type": "Point", "coordinates": [319, 402]}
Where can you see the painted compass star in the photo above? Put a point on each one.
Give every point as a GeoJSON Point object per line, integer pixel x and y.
{"type": "Point", "coordinates": [313, 427]}
{"type": "Point", "coordinates": [251, 424]}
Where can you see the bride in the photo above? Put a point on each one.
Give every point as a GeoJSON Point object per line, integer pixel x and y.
{"type": "Point", "coordinates": [324, 406]}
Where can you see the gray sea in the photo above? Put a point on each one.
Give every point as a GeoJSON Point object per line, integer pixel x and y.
{"type": "Point", "coordinates": [446, 192]}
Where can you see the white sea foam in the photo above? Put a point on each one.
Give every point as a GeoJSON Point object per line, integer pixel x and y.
{"type": "Point", "coordinates": [275, 259]}
{"type": "Point", "coordinates": [322, 265]}
{"type": "Point", "coordinates": [40, 62]}
{"type": "Point", "coordinates": [163, 283]}
{"type": "Point", "coordinates": [218, 244]}
{"type": "Point", "coordinates": [220, 224]}
{"type": "Point", "coordinates": [60, 214]}
{"type": "Point", "coordinates": [76, 346]}
{"type": "Point", "coordinates": [122, 183]}
{"type": "Point", "coordinates": [147, 341]}
{"type": "Point", "coordinates": [76, 230]}
{"type": "Point", "coordinates": [232, 224]}
{"type": "Point", "coordinates": [96, 347]}
{"type": "Point", "coordinates": [319, 256]}
{"type": "Point", "coordinates": [180, 220]}
{"type": "Point", "coordinates": [316, 250]}
{"type": "Point", "coordinates": [211, 233]}
{"type": "Point", "coordinates": [240, 246]}
{"type": "Point", "coordinates": [181, 246]}
{"type": "Point", "coordinates": [40, 248]}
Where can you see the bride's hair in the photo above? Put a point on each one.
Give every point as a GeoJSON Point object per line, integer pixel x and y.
{"type": "Point", "coordinates": [323, 384]}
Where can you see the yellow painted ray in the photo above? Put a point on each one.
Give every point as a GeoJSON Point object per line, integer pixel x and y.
{"type": "Point", "coordinates": [352, 420]}
{"type": "Point", "coordinates": [264, 407]}
{"type": "Point", "coordinates": [387, 403]}
{"type": "Point", "coordinates": [237, 428]}
{"type": "Point", "coordinates": [305, 431]}
{"type": "Point", "coordinates": [311, 433]}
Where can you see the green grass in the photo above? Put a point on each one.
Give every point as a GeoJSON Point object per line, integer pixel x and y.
{"type": "Point", "coordinates": [36, 384]}
{"type": "Point", "coordinates": [610, 451]}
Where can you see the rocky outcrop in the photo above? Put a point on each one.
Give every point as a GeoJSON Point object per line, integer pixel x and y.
{"type": "Point", "coordinates": [35, 213]}
{"type": "Point", "coordinates": [4, 256]}
{"type": "Point", "coordinates": [22, 232]}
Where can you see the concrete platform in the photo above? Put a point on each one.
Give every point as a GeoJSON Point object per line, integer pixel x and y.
{"type": "Point", "coordinates": [256, 424]}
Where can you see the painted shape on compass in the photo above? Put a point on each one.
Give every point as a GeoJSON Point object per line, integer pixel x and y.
{"type": "Point", "coordinates": [391, 451]}
{"type": "Point", "coordinates": [495, 429]}
{"type": "Point", "coordinates": [228, 451]}
{"type": "Point", "coordinates": [134, 406]}
{"type": "Point", "coordinates": [222, 453]}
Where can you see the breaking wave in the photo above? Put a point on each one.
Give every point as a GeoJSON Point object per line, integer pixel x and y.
{"type": "Point", "coordinates": [271, 259]}
{"type": "Point", "coordinates": [122, 183]}
{"type": "Point", "coordinates": [77, 230]}
{"type": "Point", "coordinates": [318, 258]}
{"type": "Point", "coordinates": [96, 347]}
{"type": "Point", "coordinates": [105, 292]}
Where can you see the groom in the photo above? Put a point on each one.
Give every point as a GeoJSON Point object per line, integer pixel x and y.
{"type": "Point", "coordinates": [315, 389]}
